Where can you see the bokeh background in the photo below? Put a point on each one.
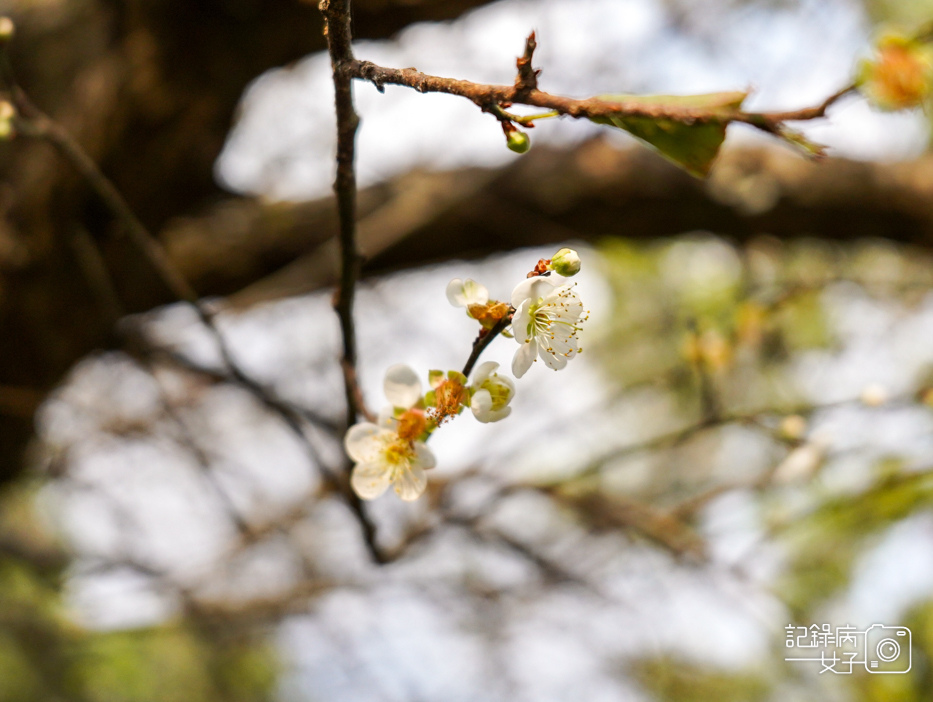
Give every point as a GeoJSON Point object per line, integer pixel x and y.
{"type": "Point", "coordinates": [746, 443]}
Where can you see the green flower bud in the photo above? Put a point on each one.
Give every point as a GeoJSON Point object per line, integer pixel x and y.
{"type": "Point", "coordinates": [517, 141]}
{"type": "Point", "coordinates": [566, 262]}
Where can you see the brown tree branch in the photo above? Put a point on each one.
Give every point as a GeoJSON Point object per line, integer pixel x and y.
{"type": "Point", "coordinates": [272, 250]}
{"type": "Point", "coordinates": [524, 91]}
{"type": "Point", "coordinates": [337, 30]}
{"type": "Point", "coordinates": [484, 339]}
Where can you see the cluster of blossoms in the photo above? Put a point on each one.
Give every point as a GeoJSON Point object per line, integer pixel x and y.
{"type": "Point", "coordinates": [544, 316]}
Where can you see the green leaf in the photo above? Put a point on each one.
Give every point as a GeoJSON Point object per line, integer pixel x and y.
{"type": "Point", "coordinates": [692, 144]}
{"type": "Point", "coordinates": [809, 148]}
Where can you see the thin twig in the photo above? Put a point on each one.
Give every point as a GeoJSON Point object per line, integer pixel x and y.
{"type": "Point", "coordinates": [92, 265]}
{"type": "Point", "coordinates": [186, 438]}
{"type": "Point", "coordinates": [337, 30]}
{"type": "Point", "coordinates": [483, 340]}
{"type": "Point", "coordinates": [806, 113]}
{"type": "Point", "coordinates": [43, 127]}
{"type": "Point", "coordinates": [527, 78]}
{"type": "Point", "coordinates": [549, 568]}
{"type": "Point", "coordinates": [293, 420]}
{"type": "Point", "coordinates": [486, 95]}
{"type": "Point", "coordinates": [139, 344]}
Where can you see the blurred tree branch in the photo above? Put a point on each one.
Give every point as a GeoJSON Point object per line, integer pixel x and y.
{"type": "Point", "coordinates": [155, 83]}
{"type": "Point", "coordinates": [586, 193]}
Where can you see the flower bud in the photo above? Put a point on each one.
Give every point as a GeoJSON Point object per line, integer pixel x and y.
{"type": "Point", "coordinates": [491, 394]}
{"type": "Point", "coordinates": [7, 29]}
{"type": "Point", "coordinates": [518, 141]}
{"type": "Point", "coordinates": [801, 464]}
{"type": "Point", "coordinates": [874, 395]}
{"type": "Point", "coordinates": [926, 397]}
{"type": "Point", "coordinates": [900, 76]}
{"type": "Point", "coordinates": [566, 262]}
{"type": "Point", "coordinates": [793, 427]}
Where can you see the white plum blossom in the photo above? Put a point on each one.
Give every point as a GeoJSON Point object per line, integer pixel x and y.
{"type": "Point", "coordinates": [491, 393]}
{"type": "Point", "coordinates": [547, 319]}
{"type": "Point", "coordinates": [392, 452]}
{"type": "Point", "coordinates": [475, 298]}
{"type": "Point", "coordinates": [466, 293]}
{"type": "Point", "coordinates": [383, 457]}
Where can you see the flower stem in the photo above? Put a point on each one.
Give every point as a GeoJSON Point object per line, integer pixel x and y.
{"type": "Point", "coordinates": [483, 340]}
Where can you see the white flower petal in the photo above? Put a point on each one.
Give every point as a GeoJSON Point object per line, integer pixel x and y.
{"type": "Point", "coordinates": [523, 359]}
{"type": "Point", "coordinates": [481, 404]}
{"type": "Point", "coordinates": [424, 457]}
{"type": "Point", "coordinates": [561, 344]}
{"type": "Point", "coordinates": [387, 419]}
{"type": "Point", "coordinates": [483, 371]}
{"type": "Point", "coordinates": [410, 483]}
{"type": "Point", "coordinates": [463, 293]}
{"type": "Point", "coordinates": [475, 293]}
{"type": "Point", "coordinates": [364, 442]}
{"type": "Point", "coordinates": [496, 415]}
{"type": "Point", "coordinates": [483, 411]}
{"type": "Point", "coordinates": [370, 480]}
{"type": "Point", "coordinates": [552, 360]}
{"type": "Point", "coordinates": [402, 387]}
{"type": "Point", "coordinates": [532, 289]}
{"type": "Point", "coordinates": [521, 322]}
{"type": "Point", "coordinates": [455, 294]}
{"type": "Point", "coordinates": [522, 292]}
